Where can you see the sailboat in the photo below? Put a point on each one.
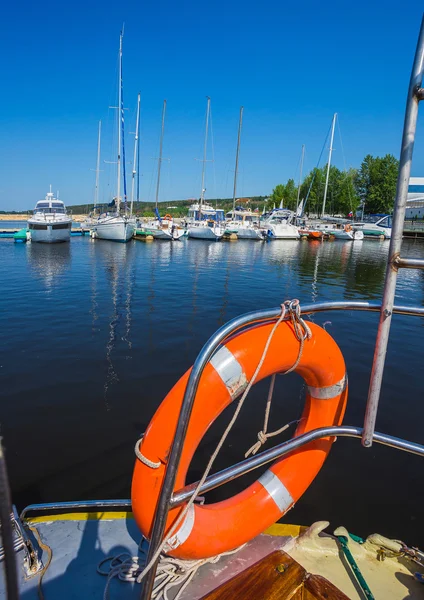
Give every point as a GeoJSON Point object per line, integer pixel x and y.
{"type": "Point", "coordinates": [116, 225]}
{"type": "Point", "coordinates": [162, 228]}
{"type": "Point", "coordinates": [339, 231]}
{"type": "Point", "coordinates": [242, 221]}
{"type": "Point", "coordinates": [205, 223]}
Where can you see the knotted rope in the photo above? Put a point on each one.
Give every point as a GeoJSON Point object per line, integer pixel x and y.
{"type": "Point", "coordinates": [302, 332]}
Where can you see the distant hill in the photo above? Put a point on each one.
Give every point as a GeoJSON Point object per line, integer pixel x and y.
{"type": "Point", "coordinates": [177, 208]}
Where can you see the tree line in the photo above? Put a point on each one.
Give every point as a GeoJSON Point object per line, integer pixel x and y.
{"type": "Point", "coordinates": [372, 186]}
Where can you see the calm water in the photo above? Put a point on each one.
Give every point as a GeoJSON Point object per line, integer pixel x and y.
{"type": "Point", "coordinates": [94, 334]}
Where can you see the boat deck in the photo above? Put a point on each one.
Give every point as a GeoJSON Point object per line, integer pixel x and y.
{"type": "Point", "coordinates": [79, 542]}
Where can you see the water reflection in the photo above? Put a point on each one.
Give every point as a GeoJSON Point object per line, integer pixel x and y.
{"type": "Point", "coordinates": [119, 267]}
{"type": "Point", "coordinates": [48, 262]}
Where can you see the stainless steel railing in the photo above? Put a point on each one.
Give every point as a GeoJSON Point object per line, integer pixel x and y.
{"type": "Point", "coordinates": [387, 308]}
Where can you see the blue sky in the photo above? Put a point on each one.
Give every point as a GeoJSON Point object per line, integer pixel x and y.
{"type": "Point", "coordinates": [290, 64]}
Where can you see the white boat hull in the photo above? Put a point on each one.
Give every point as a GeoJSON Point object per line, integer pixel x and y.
{"type": "Point", "coordinates": [245, 233]}
{"type": "Point", "coordinates": [376, 232]}
{"type": "Point", "coordinates": [50, 233]}
{"type": "Point", "coordinates": [159, 233]}
{"type": "Point", "coordinates": [282, 232]}
{"type": "Point", "coordinates": [205, 233]}
{"type": "Point", "coordinates": [115, 229]}
{"type": "Point", "coordinates": [340, 234]}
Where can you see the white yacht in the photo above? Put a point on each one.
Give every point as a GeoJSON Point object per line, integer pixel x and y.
{"type": "Point", "coordinates": [50, 222]}
{"type": "Point", "coordinates": [163, 228]}
{"type": "Point", "coordinates": [277, 225]}
{"type": "Point", "coordinates": [205, 222]}
{"type": "Point", "coordinates": [244, 223]}
{"type": "Point", "coordinates": [382, 227]}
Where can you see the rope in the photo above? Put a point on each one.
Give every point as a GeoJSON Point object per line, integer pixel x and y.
{"type": "Point", "coordinates": [49, 552]}
{"type": "Point", "coordinates": [343, 540]}
{"type": "Point", "coordinates": [144, 460]}
{"type": "Point", "coordinates": [171, 572]}
{"type": "Point", "coordinates": [302, 332]}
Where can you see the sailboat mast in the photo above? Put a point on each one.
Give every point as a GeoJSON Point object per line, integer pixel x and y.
{"type": "Point", "coordinates": [118, 175]}
{"type": "Point", "coordinates": [135, 164]}
{"type": "Point", "coordinates": [160, 152]}
{"type": "Point", "coordinates": [330, 152]}
{"type": "Point", "coordinates": [96, 189]}
{"type": "Point", "coordinates": [237, 160]}
{"type": "Point", "coordinates": [202, 195]}
{"type": "Point", "coordinates": [300, 178]}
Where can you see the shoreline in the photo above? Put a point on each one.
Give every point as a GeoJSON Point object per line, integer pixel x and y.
{"type": "Point", "coordinates": [24, 217]}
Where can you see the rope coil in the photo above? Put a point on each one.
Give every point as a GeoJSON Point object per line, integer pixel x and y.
{"type": "Point", "coordinates": [171, 572]}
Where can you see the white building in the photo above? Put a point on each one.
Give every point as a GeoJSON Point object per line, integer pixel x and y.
{"type": "Point", "coordinates": [415, 204]}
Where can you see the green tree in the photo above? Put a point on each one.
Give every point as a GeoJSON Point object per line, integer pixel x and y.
{"type": "Point", "coordinates": [376, 182]}
{"type": "Point", "coordinates": [313, 183]}
{"type": "Point", "coordinates": [290, 195]}
{"type": "Point", "coordinates": [347, 199]}
{"type": "Point", "coordinates": [276, 196]}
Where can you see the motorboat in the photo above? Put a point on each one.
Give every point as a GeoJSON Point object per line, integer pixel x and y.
{"type": "Point", "coordinates": [278, 225]}
{"type": "Point", "coordinates": [50, 223]}
{"type": "Point", "coordinates": [204, 222]}
{"type": "Point", "coordinates": [163, 228]}
{"type": "Point", "coordinates": [244, 223]}
{"type": "Point", "coordinates": [381, 228]}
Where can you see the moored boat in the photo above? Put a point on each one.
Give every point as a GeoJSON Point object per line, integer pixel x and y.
{"type": "Point", "coordinates": [116, 225]}
{"type": "Point", "coordinates": [346, 233]}
{"type": "Point", "coordinates": [163, 228]}
{"type": "Point", "coordinates": [381, 228]}
{"type": "Point", "coordinates": [312, 234]}
{"type": "Point", "coordinates": [50, 222]}
{"type": "Point", "coordinates": [278, 225]}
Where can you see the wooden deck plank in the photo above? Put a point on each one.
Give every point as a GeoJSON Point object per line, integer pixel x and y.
{"type": "Point", "coordinates": [276, 577]}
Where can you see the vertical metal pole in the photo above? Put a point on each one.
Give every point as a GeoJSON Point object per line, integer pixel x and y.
{"type": "Point", "coordinates": [237, 160]}
{"type": "Point", "coordinates": [300, 179]}
{"type": "Point", "coordinates": [205, 149]}
{"type": "Point", "coordinates": [414, 95]}
{"type": "Point", "coordinates": [135, 163]}
{"type": "Point", "coordinates": [330, 152]}
{"type": "Point", "coordinates": [96, 190]}
{"type": "Point", "coordinates": [118, 169]}
{"type": "Point", "coordinates": [160, 152]}
{"type": "Point", "coordinates": [10, 571]}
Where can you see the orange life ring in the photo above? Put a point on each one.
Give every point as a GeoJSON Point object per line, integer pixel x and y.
{"type": "Point", "coordinates": [168, 217]}
{"type": "Point", "coordinates": [211, 529]}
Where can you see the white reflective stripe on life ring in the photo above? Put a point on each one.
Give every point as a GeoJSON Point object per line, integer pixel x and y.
{"type": "Point", "coordinates": [327, 393]}
{"type": "Point", "coordinates": [183, 532]}
{"type": "Point", "coordinates": [230, 371]}
{"type": "Point", "coordinates": [277, 490]}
